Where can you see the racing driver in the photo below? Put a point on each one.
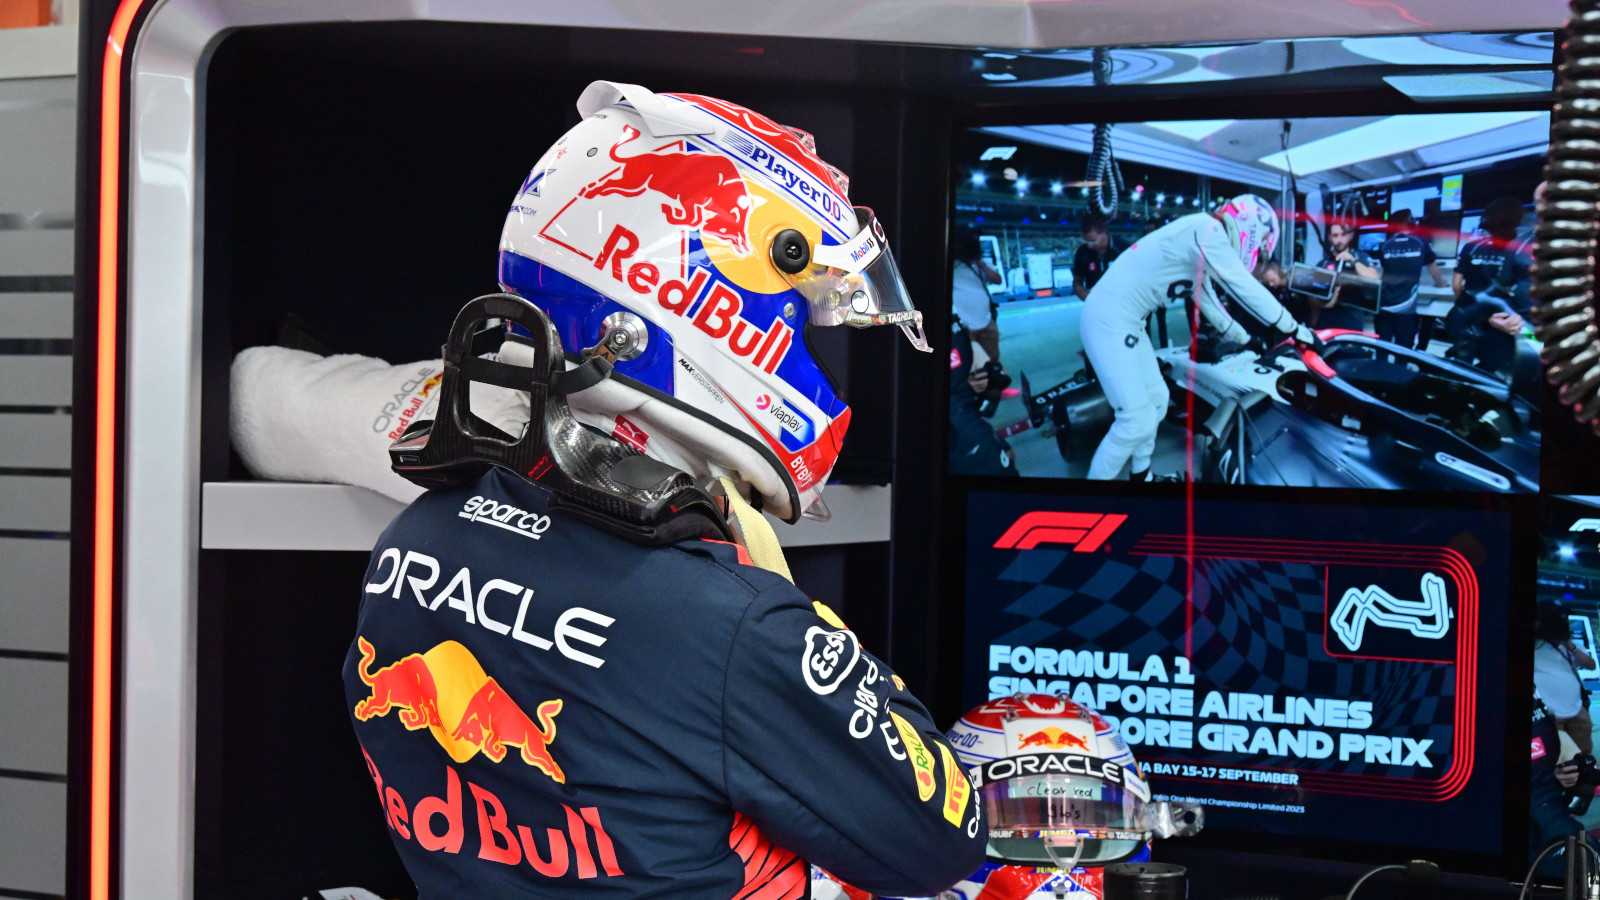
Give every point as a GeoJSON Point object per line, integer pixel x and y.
{"type": "Point", "coordinates": [1173, 264]}
{"type": "Point", "coordinates": [556, 704]}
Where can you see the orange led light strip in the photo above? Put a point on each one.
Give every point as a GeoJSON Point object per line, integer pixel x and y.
{"type": "Point", "coordinates": [105, 454]}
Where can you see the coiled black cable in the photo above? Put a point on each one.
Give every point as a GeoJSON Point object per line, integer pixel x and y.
{"type": "Point", "coordinates": [1563, 289]}
{"type": "Point", "coordinates": [1104, 175]}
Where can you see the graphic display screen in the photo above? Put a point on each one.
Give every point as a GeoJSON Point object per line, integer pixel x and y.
{"type": "Point", "coordinates": [1305, 683]}
{"type": "Point", "coordinates": [1179, 349]}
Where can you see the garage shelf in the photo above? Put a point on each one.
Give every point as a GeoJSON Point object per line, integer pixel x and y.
{"type": "Point", "coordinates": [271, 515]}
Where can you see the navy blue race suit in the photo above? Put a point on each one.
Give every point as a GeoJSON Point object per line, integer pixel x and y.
{"type": "Point", "coordinates": [550, 711]}
{"type": "Point", "coordinates": [1403, 257]}
{"type": "Point", "coordinates": [1549, 818]}
{"type": "Point", "coordinates": [973, 447]}
{"type": "Point", "coordinates": [1482, 265]}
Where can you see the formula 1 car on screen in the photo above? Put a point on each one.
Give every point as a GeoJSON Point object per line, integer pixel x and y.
{"type": "Point", "coordinates": [1361, 413]}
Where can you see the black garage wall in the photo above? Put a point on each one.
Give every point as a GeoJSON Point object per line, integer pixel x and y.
{"type": "Point", "coordinates": [356, 179]}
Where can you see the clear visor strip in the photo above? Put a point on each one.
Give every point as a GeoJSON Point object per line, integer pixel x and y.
{"type": "Point", "coordinates": [854, 256]}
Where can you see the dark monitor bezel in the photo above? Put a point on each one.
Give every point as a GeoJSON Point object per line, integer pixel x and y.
{"type": "Point", "coordinates": [1511, 862]}
{"type": "Point", "coordinates": [1042, 106]}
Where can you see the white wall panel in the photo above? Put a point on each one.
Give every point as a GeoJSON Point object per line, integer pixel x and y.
{"type": "Point", "coordinates": [38, 153]}
{"type": "Point", "coordinates": [33, 835]}
{"type": "Point", "coordinates": [35, 441]}
{"type": "Point", "coordinates": [35, 693]}
{"type": "Point", "coordinates": [34, 503]}
{"type": "Point", "coordinates": [38, 121]}
{"type": "Point", "coordinates": [33, 596]}
{"type": "Point", "coordinates": [35, 251]}
{"type": "Point", "coordinates": [36, 315]}
{"type": "Point", "coordinates": [35, 381]}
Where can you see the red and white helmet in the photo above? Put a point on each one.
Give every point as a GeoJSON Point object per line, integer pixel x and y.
{"type": "Point", "coordinates": [700, 240]}
{"type": "Point", "coordinates": [1252, 226]}
{"type": "Point", "coordinates": [1063, 796]}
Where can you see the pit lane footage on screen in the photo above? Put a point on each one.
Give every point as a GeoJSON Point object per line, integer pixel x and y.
{"type": "Point", "coordinates": [1402, 247]}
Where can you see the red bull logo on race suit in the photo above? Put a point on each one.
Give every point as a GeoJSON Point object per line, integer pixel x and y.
{"type": "Point", "coordinates": [447, 692]}
{"type": "Point", "coordinates": [438, 825]}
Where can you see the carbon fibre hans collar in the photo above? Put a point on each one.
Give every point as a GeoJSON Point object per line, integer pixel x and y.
{"type": "Point", "coordinates": [590, 476]}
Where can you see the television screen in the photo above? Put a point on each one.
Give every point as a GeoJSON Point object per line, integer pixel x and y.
{"type": "Point", "coordinates": [1566, 661]}
{"type": "Point", "coordinates": [1338, 677]}
{"type": "Point", "coordinates": [1161, 360]}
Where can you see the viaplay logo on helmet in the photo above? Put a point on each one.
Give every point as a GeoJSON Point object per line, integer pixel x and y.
{"type": "Point", "coordinates": [797, 430]}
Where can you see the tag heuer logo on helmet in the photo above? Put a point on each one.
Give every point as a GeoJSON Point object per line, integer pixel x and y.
{"type": "Point", "coordinates": [829, 656]}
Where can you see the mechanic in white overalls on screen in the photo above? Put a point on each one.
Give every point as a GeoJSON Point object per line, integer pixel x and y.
{"type": "Point", "coordinates": [1167, 267]}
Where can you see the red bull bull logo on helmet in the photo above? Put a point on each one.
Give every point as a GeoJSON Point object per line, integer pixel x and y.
{"type": "Point", "coordinates": [703, 190]}
{"type": "Point", "coordinates": [785, 155]}
{"type": "Point", "coordinates": [447, 692]}
{"type": "Point", "coordinates": [1053, 738]}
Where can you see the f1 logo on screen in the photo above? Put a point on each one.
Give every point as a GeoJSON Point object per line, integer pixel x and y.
{"type": "Point", "coordinates": [1086, 532]}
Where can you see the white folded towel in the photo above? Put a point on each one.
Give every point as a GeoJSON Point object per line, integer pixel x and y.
{"type": "Point", "coordinates": [296, 416]}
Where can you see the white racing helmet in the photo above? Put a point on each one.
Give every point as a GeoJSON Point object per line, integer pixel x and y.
{"type": "Point", "coordinates": [1062, 794]}
{"type": "Point", "coordinates": [701, 241]}
{"type": "Point", "coordinates": [1252, 227]}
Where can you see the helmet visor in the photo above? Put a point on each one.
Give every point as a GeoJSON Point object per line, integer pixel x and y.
{"type": "Point", "coordinates": [1029, 812]}
{"type": "Point", "coordinates": [858, 284]}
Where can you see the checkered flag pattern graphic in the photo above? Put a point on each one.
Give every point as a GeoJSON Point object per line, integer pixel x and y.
{"type": "Point", "coordinates": [1258, 628]}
